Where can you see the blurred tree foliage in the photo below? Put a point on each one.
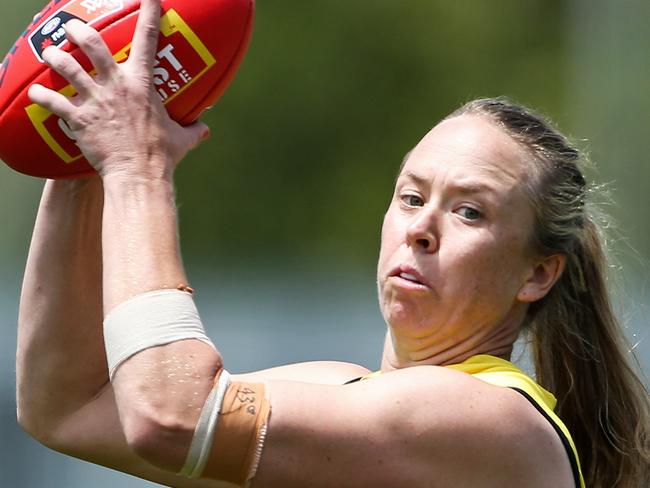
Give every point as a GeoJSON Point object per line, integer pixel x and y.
{"type": "Point", "coordinates": [332, 94]}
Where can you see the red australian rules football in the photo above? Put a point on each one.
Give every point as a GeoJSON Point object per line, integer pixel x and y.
{"type": "Point", "coordinates": [200, 46]}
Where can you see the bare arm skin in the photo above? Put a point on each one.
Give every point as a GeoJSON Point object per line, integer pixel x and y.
{"type": "Point", "coordinates": [60, 308]}
{"type": "Point", "coordinates": [64, 397]}
{"type": "Point", "coordinates": [423, 426]}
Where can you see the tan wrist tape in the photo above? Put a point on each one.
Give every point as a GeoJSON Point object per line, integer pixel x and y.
{"type": "Point", "coordinates": [240, 434]}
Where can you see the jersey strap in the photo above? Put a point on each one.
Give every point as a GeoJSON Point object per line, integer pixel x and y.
{"type": "Point", "coordinates": [500, 372]}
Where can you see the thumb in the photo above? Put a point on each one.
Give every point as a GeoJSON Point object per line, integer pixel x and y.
{"type": "Point", "coordinates": [196, 133]}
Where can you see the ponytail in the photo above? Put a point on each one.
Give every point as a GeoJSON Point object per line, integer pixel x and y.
{"type": "Point", "coordinates": [580, 354]}
{"type": "Point", "coordinates": [579, 349]}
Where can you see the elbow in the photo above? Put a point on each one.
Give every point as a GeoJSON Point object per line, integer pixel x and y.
{"type": "Point", "coordinates": [35, 413]}
{"type": "Point", "coordinates": [38, 422]}
{"type": "Point", "coordinates": [47, 426]}
{"type": "Point", "coordinates": [158, 421]}
{"type": "Point", "coordinates": [28, 423]}
{"type": "Point", "coordinates": [27, 415]}
{"type": "Point", "coordinates": [159, 427]}
{"type": "Point", "coordinates": [38, 427]}
{"type": "Point", "coordinates": [159, 438]}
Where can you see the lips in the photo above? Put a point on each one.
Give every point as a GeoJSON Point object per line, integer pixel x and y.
{"type": "Point", "coordinates": [409, 277]}
{"type": "Point", "coordinates": [409, 274]}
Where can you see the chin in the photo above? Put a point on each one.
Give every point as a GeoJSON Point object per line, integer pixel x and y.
{"type": "Point", "coordinates": [405, 318]}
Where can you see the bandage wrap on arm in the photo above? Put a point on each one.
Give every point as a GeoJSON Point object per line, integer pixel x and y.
{"type": "Point", "coordinates": [148, 320]}
{"type": "Point", "coordinates": [229, 436]}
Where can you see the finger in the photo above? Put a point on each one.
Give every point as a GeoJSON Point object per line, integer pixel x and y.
{"type": "Point", "coordinates": [93, 46]}
{"type": "Point", "coordinates": [52, 101]}
{"type": "Point", "coordinates": [68, 67]}
{"type": "Point", "coordinates": [189, 138]}
{"type": "Point", "coordinates": [196, 134]}
{"type": "Point", "coordinates": [145, 37]}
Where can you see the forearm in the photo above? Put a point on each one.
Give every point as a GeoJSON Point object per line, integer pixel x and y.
{"type": "Point", "coordinates": [64, 398]}
{"type": "Point", "coordinates": [121, 126]}
{"type": "Point", "coordinates": [159, 391]}
{"type": "Point", "coordinates": [60, 344]}
{"type": "Point", "coordinates": [140, 239]}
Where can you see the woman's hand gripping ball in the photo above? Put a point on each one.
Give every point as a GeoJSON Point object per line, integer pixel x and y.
{"type": "Point", "coordinates": [116, 117]}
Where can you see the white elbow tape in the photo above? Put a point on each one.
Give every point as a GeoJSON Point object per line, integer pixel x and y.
{"type": "Point", "coordinates": [148, 320]}
{"type": "Point", "coordinates": [230, 434]}
{"type": "Point", "coordinates": [201, 445]}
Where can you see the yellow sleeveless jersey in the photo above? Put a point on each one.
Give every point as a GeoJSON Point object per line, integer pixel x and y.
{"type": "Point", "coordinates": [500, 372]}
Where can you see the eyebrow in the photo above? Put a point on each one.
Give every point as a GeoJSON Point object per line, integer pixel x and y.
{"type": "Point", "coordinates": [416, 178]}
{"type": "Point", "coordinates": [467, 187]}
{"type": "Point", "coordinates": [473, 187]}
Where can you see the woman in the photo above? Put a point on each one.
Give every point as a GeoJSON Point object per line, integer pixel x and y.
{"type": "Point", "coordinates": [488, 233]}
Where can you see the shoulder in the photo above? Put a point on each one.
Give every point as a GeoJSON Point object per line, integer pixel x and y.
{"type": "Point", "coordinates": [421, 426]}
{"type": "Point", "coordinates": [463, 421]}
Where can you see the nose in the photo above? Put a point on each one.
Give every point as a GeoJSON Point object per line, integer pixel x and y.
{"type": "Point", "coordinates": [421, 234]}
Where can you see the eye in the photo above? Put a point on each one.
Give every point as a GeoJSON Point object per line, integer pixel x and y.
{"type": "Point", "coordinates": [469, 213]}
{"type": "Point", "coordinates": [412, 200]}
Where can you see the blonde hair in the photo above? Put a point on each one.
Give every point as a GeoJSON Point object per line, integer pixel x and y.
{"type": "Point", "coordinates": [579, 348]}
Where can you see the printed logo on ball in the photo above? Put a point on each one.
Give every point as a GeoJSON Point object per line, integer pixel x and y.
{"type": "Point", "coordinates": [51, 26]}
{"type": "Point", "coordinates": [51, 32]}
{"type": "Point", "coordinates": [181, 60]}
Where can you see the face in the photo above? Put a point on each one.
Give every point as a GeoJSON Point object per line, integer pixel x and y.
{"type": "Point", "coordinates": [455, 250]}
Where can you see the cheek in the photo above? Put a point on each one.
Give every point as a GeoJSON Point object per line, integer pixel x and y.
{"type": "Point", "coordinates": [478, 267]}
{"type": "Point", "coordinates": [390, 239]}
{"type": "Point", "coordinates": [495, 274]}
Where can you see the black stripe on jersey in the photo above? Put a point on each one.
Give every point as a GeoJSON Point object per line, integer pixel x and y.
{"type": "Point", "coordinates": [354, 380]}
{"type": "Point", "coordinates": [565, 442]}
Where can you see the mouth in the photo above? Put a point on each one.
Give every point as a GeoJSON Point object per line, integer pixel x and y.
{"type": "Point", "coordinates": [408, 276]}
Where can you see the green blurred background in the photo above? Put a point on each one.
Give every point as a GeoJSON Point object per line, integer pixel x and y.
{"type": "Point", "coordinates": [281, 209]}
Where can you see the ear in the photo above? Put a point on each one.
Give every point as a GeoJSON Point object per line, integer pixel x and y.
{"type": "Point", "coordinates": [544, 275]}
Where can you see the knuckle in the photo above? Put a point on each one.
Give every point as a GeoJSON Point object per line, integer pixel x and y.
{"type": "Point", "coordinates": [65, 64]}
{"type": "Point", "coordinates": [90, 40]}
{"type": "Point", "coordinates": [150, 31]}
{"type": "Point", "coordinates": [62, 62]}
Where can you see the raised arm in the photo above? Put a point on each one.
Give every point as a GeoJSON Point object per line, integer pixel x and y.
{"type": "Point", "coordinates": [140, 245]}
{"type": "Point", "coordinates": [64, 398]}
{"type": "Point", "coordinates": [61, 309]}
{"type": "Point", "coordinates": [423, 426]}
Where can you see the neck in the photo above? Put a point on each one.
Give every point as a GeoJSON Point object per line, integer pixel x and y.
{"type": "Point", "coordinates": [402, 352]}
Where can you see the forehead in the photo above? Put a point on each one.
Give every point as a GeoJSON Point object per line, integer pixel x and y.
{"type": "Point", "coordinates": [468, 145]}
